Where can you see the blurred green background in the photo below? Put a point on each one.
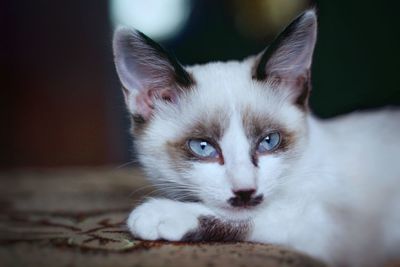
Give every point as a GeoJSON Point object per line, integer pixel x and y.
{"type": "Point", "coordinates": [60, 99]}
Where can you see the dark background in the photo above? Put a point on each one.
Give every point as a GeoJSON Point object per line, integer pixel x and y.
{"type": "Point", "coordinates": [60, 102]}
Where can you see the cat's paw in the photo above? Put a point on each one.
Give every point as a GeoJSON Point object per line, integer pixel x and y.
{"type": "Point", "coordinates": [164, 219]}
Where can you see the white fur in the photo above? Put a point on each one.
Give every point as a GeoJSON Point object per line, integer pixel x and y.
{"type": "Point", "coordinates": [334, 193]}
{"type": "Point", "coordinates": [336, 199]}
{"type": "Point", "coordinates": [165, 219]}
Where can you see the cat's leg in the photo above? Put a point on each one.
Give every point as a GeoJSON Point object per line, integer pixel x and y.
{"type": "Point", "coordinates": [183, 221]}
{"type": "Point", "coordinates": [166, 219]}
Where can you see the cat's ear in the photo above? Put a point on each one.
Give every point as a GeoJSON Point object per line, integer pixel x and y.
{"type": "Point", "coordinates": [147, 72]}
{"type": "Point", "coordinates": [287, 61]}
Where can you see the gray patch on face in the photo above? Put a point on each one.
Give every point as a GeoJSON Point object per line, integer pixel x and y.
{"type": "Point", "coordinates": [257, 126]}
{"type": "Point", "coordinates": [211, 129]}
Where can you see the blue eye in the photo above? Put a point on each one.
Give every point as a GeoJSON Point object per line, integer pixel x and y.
{"type": "Point", "coordinates": [202, 148]}
{"type": "Point", "coordinates": [269, 143]}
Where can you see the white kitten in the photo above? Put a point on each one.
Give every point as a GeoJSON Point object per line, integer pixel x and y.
{"type": "Point", "coordinates": [238, 141]}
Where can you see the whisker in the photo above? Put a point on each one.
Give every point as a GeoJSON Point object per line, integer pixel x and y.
{"type": "Point", "coordinates": [134, 161]}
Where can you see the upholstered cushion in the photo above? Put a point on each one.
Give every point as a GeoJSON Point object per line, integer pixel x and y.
{"type": "Point", "coordinates": [76, 218]}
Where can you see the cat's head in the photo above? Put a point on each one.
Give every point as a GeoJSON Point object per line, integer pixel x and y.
{"type": "Point", "coordinates": [228, 133]}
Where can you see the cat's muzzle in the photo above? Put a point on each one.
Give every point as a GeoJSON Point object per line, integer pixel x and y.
{"type": "Point", "coordinates": [245, 198]}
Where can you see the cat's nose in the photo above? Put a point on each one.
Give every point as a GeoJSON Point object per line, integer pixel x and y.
{"type": "Point", "coordinates": [244, 195]}
{"type": "Point", "coordinates": [245, 198]}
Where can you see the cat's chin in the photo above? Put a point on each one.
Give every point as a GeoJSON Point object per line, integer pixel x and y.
{"type": "Point", "coordinates": [237, 213]}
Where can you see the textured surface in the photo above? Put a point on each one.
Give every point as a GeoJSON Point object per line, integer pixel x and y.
{"type": "Point", "coordinates": [76, 218]}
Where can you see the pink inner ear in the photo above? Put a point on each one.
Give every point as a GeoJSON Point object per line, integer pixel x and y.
{"type": "Point", "coordinates": [144, 104]}
{"type": "Point", "coordinates": [168, 95]}
{"type": "Point", "coordinates": [145, 100]}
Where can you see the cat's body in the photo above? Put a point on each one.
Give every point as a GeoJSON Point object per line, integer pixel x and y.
{"type": "Point", "coordinates": [341, 206]}
{"type": "Point", "coordinates": [238, 138]}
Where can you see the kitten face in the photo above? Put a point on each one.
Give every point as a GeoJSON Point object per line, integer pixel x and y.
{"type": "Point", "coordinates": [234, 114]}
{"type": "Point", "coordinates": [228, 108]}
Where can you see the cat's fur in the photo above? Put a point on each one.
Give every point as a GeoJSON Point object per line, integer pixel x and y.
{"type": "Point", "coordinates": [332, 188]}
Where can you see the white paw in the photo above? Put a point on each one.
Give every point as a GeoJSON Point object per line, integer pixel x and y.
{"type": "Point", "coordinates": [164, 219]}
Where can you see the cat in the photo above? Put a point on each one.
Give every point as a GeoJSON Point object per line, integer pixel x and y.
{"type": "Point", "coordinates": [242, 157]}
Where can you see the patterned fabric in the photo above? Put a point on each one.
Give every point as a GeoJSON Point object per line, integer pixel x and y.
{"type": "Point", "coordinates": [101, 231]}
{"type": "Point", "coordinates": [105, 233]}
{"type": "Point", "coordinates": [77, 218]}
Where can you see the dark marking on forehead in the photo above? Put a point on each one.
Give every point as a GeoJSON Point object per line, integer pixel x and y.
{"type": "Point", "coordinates": [256, 125]}
{"type": "Point", "coordinates": [210, 129]}
{"type": "Point", "coordinates": [212, 229]}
